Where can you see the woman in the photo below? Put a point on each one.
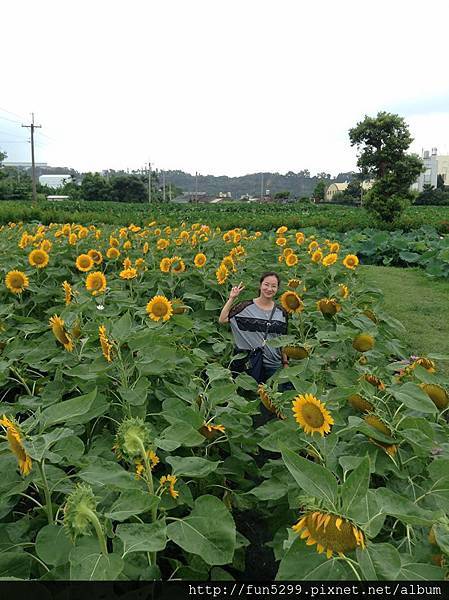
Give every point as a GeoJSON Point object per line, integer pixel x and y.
{"type": "Point", "coordinates": [256, 321]}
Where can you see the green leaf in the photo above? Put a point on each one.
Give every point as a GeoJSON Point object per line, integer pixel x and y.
{"type": "Point", "coordinates": [53, 546]}
{"type": "Point", "coordinates": [142, 537]}
{"type": "Point", "coordinates": [130, 503]}
{"type": "Point", "coordinates": [86, 565]}
{"type": "Point", "coordinates": [302, 562]}
{"type": "Point", "coordinates": [442, 536]}
{"type": "Point", "coordinates": [271, 489]}
{"type": "Point", "coordinates": [208, 531]}
{"type": "Point", "coordinates": [402, 508]}
{"type": "Point", "coordinates": [192, 466]}
{"type": "Point", "coordinates": [420, 571]}
{"type": "Point", "coordinates": [178, 434]}
{"type": "Point", "coordinates": [15, 564]}
{"type": "Point", "coordinates": [38, 446]}
{"type": "Point", "coordinates": [68, 410]}
{"type": "Point", "coordinates": [413, 397]}
{"type": "Point", "coordinates": [355, 488]}
{"type": "Point", "coordinates": [379, 561]}
{"type": "Point", "coordinates": [122, 327]}
{"type": "Point", "coordinates": [312, 478]}
{"type": "Point", "coordinates": [215, 372]}
{"type": "Point", "coordinates": [105, 473]}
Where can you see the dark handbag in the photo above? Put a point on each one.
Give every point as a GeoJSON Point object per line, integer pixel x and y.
{"type": "Point", "coordinates": [255, 356]}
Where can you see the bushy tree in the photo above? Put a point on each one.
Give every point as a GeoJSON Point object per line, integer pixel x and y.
{"type": "Point", "coordinates": [128, 188]}
{"type": "Point", "coordinates": [319, 190]}
{"type": "Point", "coordinates": [382, 143]}
{"type": "Point", "coordinates": [95, 187]}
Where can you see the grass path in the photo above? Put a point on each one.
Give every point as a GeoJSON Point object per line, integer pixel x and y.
{"type": "Point", "coordinates": [420, 303]}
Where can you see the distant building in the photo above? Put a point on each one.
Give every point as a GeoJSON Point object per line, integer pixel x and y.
{"type": "Point", "coordinates": [55, 181]}
{"type": "Point", "coordinates": [429, 176]}
{"type": "Point", "coordinates": [338, 188]}
{"type": "Point", "coordinates": [57, 198]}
{"type": "Point", "coordinates": [443, 167]}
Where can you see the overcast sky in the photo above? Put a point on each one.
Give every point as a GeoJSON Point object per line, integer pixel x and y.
{"type": "Point", "coordinates": [230, 87]}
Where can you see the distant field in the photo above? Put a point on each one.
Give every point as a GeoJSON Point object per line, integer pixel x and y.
{"type": "Point", "coordinates": [264, 217]}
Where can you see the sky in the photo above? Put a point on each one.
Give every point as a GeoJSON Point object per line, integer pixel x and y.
{"type": "Point", "coordinates": [222, 88]}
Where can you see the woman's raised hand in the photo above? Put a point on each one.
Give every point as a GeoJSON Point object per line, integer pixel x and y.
{"type": "Point", "coordinates": [235, 291]}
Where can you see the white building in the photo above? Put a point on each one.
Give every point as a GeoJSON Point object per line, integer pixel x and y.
{"type": "Point", "coordinates": [430, 173]}
{"type": "Point", "coordinates": [443, 167]}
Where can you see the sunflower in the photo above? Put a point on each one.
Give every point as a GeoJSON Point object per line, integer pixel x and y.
{"type": "Point", "coordinates": [363, 342]}
{"type": "Point", "coordinates": [282, 229]}
{"type": "Point", "coordinates": [287, 251]}
{"type": "Point", "coordinates": [113, 242]}
{"type": "Point", "coordinates": [58, 329]}
{"type": "Point", "coordinates": [164, 265]}
{"type": "Point", "coordinates": [38, 258]}
{"type": "Point", "coordinates": [317, 256]}
{"type": "Point", "coordinates": [334, 247]}
{"type": "Point", "coordinates": [127, 264]}
{"type": "Point", "coordinates": [374, 381]}
{"type": "Point", "coordinates": [16, 282]}
{"type": "Point", "coordinates": [314, 245]}
{"type": "Point", "coordinates": [437, 394]}
{"type": "Point", "coordinates": [291, 260]}
{"type": "Point", "coordinates": [112, 253]}
{"type": "Point", "coordinates": [221, 274]}
{"type": "Point", "coordinates": [14, 438]}
{"type": "Point", "coordinates": [127, 245]}
{"type": "Point", "coordinates": [296, 352]}
{"type": "Point", "coordinates": [300, 238]}
{"type": "Point", "coordinates": [146, 247]}
{"type": "Point", "coordinates": [177, 265]}
{"type": "Point", "coordinates": [281, 241]}
{"type": "Point", "coordinates": [68, 292]}
{"type": "Point", "coordinates": [139, 264]}
{"type": "Point", "coordinates": [311, 414]}
{"type": "Point", "coordinates": [331, 533]}
{"type": "Point", "coordinates": [360, 404]}
{"type": "Point", "coordinates": [128, 273]}
{"type": "Point", "coordinates": [46, 245]}
{"type": "Point", "coordinates": [73, 238]}
{"type": "Point", "coordinates": [84, 263]}
{"type": "Point", "coordinates": [328, 306]}
{"type": "Point", "coordinates": [200, 259]}
{"type": "Point", "coordinates": [209, 430]}
{"type": "Point", "coordinates": [229, 263]}
{"type": "Point", "coordinates": [376, 423]}
{"type": "Point", "coordinates": [329, 259]}
{"type": "Point", "coordinates": [350, 261]}
{"type": "Point", "coordinates": [170, 480]}
{"type": "Point", "coordinates": [178, 306]}
{"type": "Point", "coordinates": [426, 363]}
{"type": "Point", "coordinates": [267, 401]}
{"type": "Point", "coordinates": [343, 290]}
{"type": "Point", "coordinates": [293, 283]}
{"type": "Point", "coordinates": [106, 345]}
{"type": "Point", "coordinates": [159, 307]}
{"type": "Point", "coordinates": [162, 244]}
{"type": "Point", "coordinates": [96, 256]}
{"type": "Point", "coordinates": [95, 283]}
{"type": "Point", "coordinates": [291, 302]}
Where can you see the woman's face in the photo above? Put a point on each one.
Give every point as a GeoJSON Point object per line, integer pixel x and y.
{"type": "Point", "coordinates": [269, 286]}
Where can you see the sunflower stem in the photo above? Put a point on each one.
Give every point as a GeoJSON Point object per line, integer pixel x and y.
{"type": "Point", "coordinates": [351, 564]}
{"type": "Point", "coordinates": [98, 529]}
{"type": "Point", "coordinates": [48, 505]}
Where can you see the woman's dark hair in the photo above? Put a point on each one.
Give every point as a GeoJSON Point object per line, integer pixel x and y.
{"type": "Point", "coordinates": [268, 274]}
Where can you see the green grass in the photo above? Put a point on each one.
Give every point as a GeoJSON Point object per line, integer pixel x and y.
{"type": "Point", "coordinates": [420, 303]}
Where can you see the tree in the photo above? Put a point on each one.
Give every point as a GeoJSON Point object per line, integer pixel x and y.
{"type": "Point", "coordinates": [323, 175]}
{"type": "Point", "coordinates": [382, 142]}
{"type": "Point", "coordinates": [283, 195]}
{"type": "Point", "coordinates": [95, 187]}
{"type": "Point", "coordinates": [128, 188]}
{"type": "Point", "coordinates": [319, 190]}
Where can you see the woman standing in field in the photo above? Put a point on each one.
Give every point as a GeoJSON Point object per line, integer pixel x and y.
{"type": "Point", "coordinates": [253, 323]}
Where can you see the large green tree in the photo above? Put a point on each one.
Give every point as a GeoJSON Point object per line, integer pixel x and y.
{"type": "Point", "coordinates": [382, 143]}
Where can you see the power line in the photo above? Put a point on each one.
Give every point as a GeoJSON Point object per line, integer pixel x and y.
{"type": "Point", "coordinates": [10, 120]}
{"type": "Point", "coordinates": [32, 127]}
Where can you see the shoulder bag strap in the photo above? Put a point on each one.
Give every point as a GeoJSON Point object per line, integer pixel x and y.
{"type": "Point", "coordinates": [265, 335]}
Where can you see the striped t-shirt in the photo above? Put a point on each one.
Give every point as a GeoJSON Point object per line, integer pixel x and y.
{"type": "Point", "coordinates": [248, 325]}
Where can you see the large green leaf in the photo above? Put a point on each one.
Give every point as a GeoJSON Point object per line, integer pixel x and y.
{"type": "Point", "coordinates": [179, 434]}
{"type": "Point", "coordinates": [86, 565]}
{"type": "Point", "coordinates": [53, 545]}
{"type": "Point", "coordinates": [122, 327]}
{"type": "Point", "coordinates": [301, 562]}
{"type": "Point", "coordinates": [355, 488]}
{"type": "Point", "coordinates": [312, 478]}
{"type": "Point", "coordinates": [208, 531]}
{"type": "Point", "coordinates": [419, 571]}
{"type": "Point", "coordinates": [130, 503]}
{"type": "Point", "coordinates": [192, 466]}
{"type": "Point", "coordinates": [413, 397]}
{"type": "Point", "coordinates": [15, 564]}
{"type": "Point", "coordinates": [402, 508]}
{"type": "Point", "coordinates": [68, 410]}
{"type": "Point", "coordinates": [142, 537]}
{"type": "Point", "coordinates": [379, 561]}
{"type": "Point", "coordinates": [105, 473]}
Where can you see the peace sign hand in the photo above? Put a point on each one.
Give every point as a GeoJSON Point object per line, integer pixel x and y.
{"type": "Point", "coordinates": [235, 291]}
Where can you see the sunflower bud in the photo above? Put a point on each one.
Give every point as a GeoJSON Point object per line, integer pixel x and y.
{"type": "Point", "coordinates": [437, 394]}
{"type": "Point", "coordinates": [132, 438]}
{"type": "Point", "coordinates": [77, 511]}
{"type": "Point", "coordinates": [363, 342]}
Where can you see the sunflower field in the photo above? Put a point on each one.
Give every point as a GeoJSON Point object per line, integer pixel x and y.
{"type": "Point", "coordinates": [128, 451]}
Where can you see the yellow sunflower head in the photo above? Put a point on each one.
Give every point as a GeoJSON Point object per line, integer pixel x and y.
{"type": "Point", "coordinates": [374, 381]}
{"type": "Point", "coordinates": [177, 265]}
{"type": "Point", "coordinates": [329, 259]}
{"type": "Point", "coordinates": [159, 307]}
{"type": "Point", "coordinates": [96, 283]}
{"type": "Point", "coordinates": [328, 306]}
{"type": "Point", "coordinates": [291, 260]}
{"type": "Point", "coordinates": [265, 395]}
{"type": "Point", "coordinates": [364, 342]}
{"type": "Point", "coordinates": [291, 302]}
{"type": "Point", "coordinates": [200, 259]}
{"type": "Point", "coordinates": [343, 290]}
{"type": "Point", "coordinates": [437, 394]}
{"type": "Point", "coordinates": [282, 229]}
{"type": "Point", "coordinates": [359, 403]}
{"type": "Point", "coordinates": [112, 253]}
{"type": "Point", "coordinates": [162, 244]}
{"type": "Point", "coordinates": [221, 274]}
{"type": "Point", "coordinates": [164, 265]}
{"type": "Point", "coordinates": [281, 241]}
{"type": "Point", "coordinates": [331, 533]}
{"type": "Point", "coordinates": [60, 333]}
{"type": "Point", "coordinates": [296, 352]}
{"type": "Point", "coordinates": [38, 258]}
{"type": "Point", "coordinates": [128, 273]}
{"type": "Point", "coordinates": [300, 238]}
{"type": "Point", "coordinates": [350, 261]}
{"type": "Point", "coordinates": [96, 256]}
{"type": "Point", "coordinates": [293, 283]}
{"type": "Point", "coordinates": [311, 414]}
{"type": "Point", "coordinates": [426, 363]}
{"type": "Point", "coordinates": [14, 437]}
{"type": "Point", "coordinates": [127, 245]}
{"type": "Point", "coordinates": [317, 256]}
{"type": "Point", "coordinates": [68, 292]}
{"type": "Point", "coordinates": [84, 263]}
{"type": "Point", "coordinates": [334, 247]}
{"type": "Point", "coordinates": [16, 282]}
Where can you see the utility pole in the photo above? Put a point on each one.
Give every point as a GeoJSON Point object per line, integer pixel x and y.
{"type": "Point", "coordinates": [149, 183]}
{"type": "Point", "coordinates": [196, 186]}
{"type": "Point", "coordinates": [163, 187]}
{"type": "Point", "coordinates": [261, 188]}
{"type": "Point", "coordinates": [33, 166]}
{"type": "Point", "coordinates": [169, 191]}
